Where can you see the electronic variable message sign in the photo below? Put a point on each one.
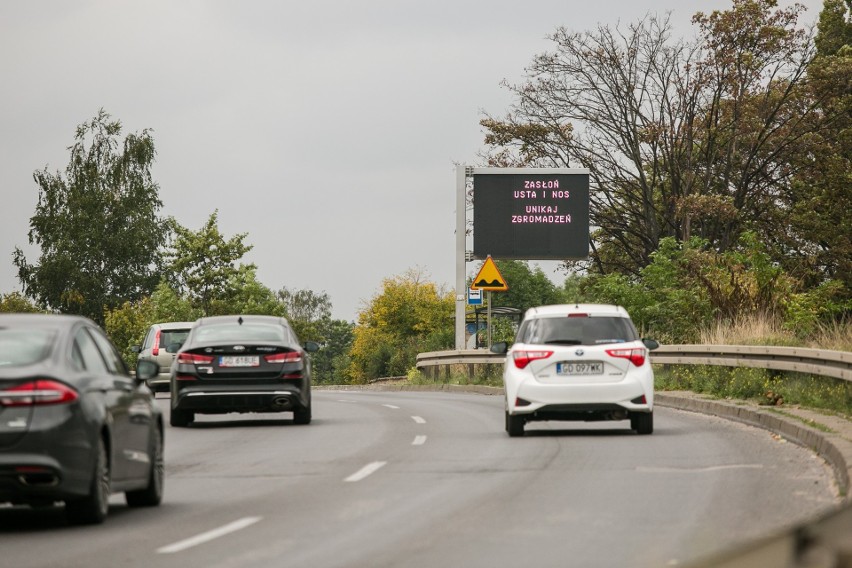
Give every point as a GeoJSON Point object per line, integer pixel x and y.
{"type": "Point", "coordinates": [535, 215]}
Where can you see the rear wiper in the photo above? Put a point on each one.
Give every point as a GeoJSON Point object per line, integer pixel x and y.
{"type": "Point", "coordinates": [563, 342]}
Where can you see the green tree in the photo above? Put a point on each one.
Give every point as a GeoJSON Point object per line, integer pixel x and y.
{"type": "Point", "coordinates": [15, 302]}
{"type": "Point", "coordinates": [201, 266]}
{"type": "Point", "coordinates": [409, 315]}
{"type": "Point", "coordinates": [96, 225]}
{"type": "Point", "coordinates": [306, 311]}
{"type": "Point", "coordinates": [817, 238]}
{"type": "Point", "coordinates": [331, 362]}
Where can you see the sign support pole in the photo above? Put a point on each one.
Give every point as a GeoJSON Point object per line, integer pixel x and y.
{"type": "Point", "coordinates": [461, 239]}
{"type": "Point", "coordinates": [489, 319]}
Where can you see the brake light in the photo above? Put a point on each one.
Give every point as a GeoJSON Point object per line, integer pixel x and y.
{"type": "Point", "coordinates": [578, 315]}
{"type": "Point", "coordinates": [194, 359]}
{"type": "Point", "coordinates": [38, 393]}
{"type": "Point", "coordinates": [286, 357]}
{"type": "Point", "coordinates": [155, 350]}
{"type": "Point", "coordinates": [636, 356]}
{"type": "Point", "coordinates": [523, 358]}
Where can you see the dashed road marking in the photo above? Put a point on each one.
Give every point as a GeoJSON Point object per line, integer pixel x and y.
{"type": "Point", "coordinates": [208, 536]}
{"type": "Point", "coordinates": [418, 419]}
{"type": "Point", "coordinates": [391, 406]}
{"type": "Point", "coordinates": [365, 471]}
{"type": "Point", "coordinates": [419, 441]}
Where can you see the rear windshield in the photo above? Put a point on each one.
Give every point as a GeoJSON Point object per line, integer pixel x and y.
{"type": "Point", "coordinates": [168, 337]}
{"type": "Point", "coordinates": [236, 332]}
{"type": "Point", "coordinates": [20, 347]}
{"type": "Point", "coordinates": [577, 331]}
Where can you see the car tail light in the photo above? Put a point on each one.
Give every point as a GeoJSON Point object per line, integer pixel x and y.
{"type": "Point", "coordinates": [194, 359]}
{"type": "Point", "coordinates": [38, 393]}
{"type": "Point", "coordinates": [578, 315]}
{"type": "Point", "coordinates": [285, 357]}
{"type": "Point", "coordinates": [523, 358]}
{"type": "Point", "coordinates": [636, 356]}
{"type": "Point", "coordinates": [155, 350]}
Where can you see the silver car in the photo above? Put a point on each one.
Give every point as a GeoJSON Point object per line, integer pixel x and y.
{"type": "Point", "coordinates": [160, 345]}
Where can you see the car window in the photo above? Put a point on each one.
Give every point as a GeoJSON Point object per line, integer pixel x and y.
{"type": "Point", "coordinates": [148, 342]}
{"type": "Point", "coordinates": [111, 356]}
{"type": "Point", "coordinates": [167, 337]}
{"type": "Point", "coordinates": [237, 332]}
{"type": "Point", "coordinates": [578, 330]}
{"type": "Point", "coordinates": [19, 347]}
{"type": "Point", "coordinates": [91, 357]}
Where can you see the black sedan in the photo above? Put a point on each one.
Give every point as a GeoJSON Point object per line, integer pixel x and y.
{"type": "Point", "coordinates": [241, 363]}
{"type": "Point", "coordinates": [74, 425]}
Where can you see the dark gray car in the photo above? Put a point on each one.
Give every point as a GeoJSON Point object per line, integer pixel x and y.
{"type": "Point", "coordinates": [74, 425]}
{"type": "Point", "coordinates": [241, 363]}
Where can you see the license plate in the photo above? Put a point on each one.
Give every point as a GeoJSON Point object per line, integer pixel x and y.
{"type": "Point", "coordinates": [580, 368]}
{"type": "Point", "coordinates": [239, 361]}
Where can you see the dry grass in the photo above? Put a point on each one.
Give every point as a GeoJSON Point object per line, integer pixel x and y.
{"type": "Point", "coordinates": [837, 337]}
{"type": "Point", "coordinates": [752, 330]}
{"type": "Point", "coordinates": [766, 330]}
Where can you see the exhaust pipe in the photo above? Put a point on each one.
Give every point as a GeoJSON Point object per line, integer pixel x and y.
{"type": "Point", "coordinates": [39, 479]}
{"type": "Point", "coordinates": [281, 402]}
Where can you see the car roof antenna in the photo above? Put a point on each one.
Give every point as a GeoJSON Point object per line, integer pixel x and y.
{"type": "Point", "coordinates": [240, 320]}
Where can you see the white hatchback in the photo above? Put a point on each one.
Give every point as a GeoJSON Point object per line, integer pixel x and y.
{"type": "Point", "coordinates": [578, 362]}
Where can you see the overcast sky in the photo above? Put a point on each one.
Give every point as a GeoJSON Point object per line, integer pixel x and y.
{"type": "Point", "coordinates": [326, 130]}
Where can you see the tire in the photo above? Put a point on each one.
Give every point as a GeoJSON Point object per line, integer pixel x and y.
{"type": "Point", "coordinates": [302, 415]}
{"type": "Point", "coordinates": [514, 425]}
{"type": "Point", "coordinates": [181, 418]}
{"type": "Point", "coordinates": [93, 508]}
{"type": "Point", "coordinates": [152, 495]}
{"type": "Point", "coordinates": [642, 422]}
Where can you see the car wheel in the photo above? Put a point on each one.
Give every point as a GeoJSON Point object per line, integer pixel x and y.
{"type": "Point", "coordinates": [93, 508]}
{"type": "Point", "coordinates": [642, 422]}
{"type": "Point", "coordinates": [302, 415]}
{"type": "Point", "coordinates": [181, 418]}
{"type": "Point", "coordinates": [514, 425]}
{"type": "Point", "coordinates": [152, 495]}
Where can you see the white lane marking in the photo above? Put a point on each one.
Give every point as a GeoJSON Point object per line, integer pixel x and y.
{"type": "Point", "coordinates": [418, 419]}
{"type": "Point", "coordinates": [391, 406]}
{"type": "Point", "coordinates": [365, 471]}
{"type": "Point", "coordinates": [345, 400]}
{"type": "Point", "coordinates": [208, 536]}
{"type": "Point", "coordinates": [698, 469]}
{"type": "Point", "coordinates": [419, 441]}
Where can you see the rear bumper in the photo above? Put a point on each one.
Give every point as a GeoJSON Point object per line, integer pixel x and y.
{"type": "Point", "coordinates": [47, 465]}
{"type": "Point", "coordinates": [608, 401]}
{"type": "Point", "coordinates": [220, 399]}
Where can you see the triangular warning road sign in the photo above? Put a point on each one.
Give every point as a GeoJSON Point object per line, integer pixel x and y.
{"type": "Point", "coordinates": [489, 278]}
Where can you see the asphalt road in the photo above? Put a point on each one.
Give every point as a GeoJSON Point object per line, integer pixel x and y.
{"type": "Point", "coordinates": [431, 479]}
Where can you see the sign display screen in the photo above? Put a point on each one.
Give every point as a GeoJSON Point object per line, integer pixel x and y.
{"type": "Point", "coordinates": [537, 216]}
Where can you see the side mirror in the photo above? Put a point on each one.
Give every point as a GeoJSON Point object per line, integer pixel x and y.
{"type": "Point", "coordinates": [650, 344]}
{"type": "Point", "coordinates": [146, 370]}
{"type": "Point", "coordinates": [136, 348]}
{"type": "Point", "coordinates": [311, 346]}
{"type": "Point", "coordinates": [500, 347]}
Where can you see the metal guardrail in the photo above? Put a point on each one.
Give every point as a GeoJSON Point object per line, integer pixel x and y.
{"type": "Point", "coordinates": [836, 364]}
{"type": "Point", "coordinates": [822, 362]}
